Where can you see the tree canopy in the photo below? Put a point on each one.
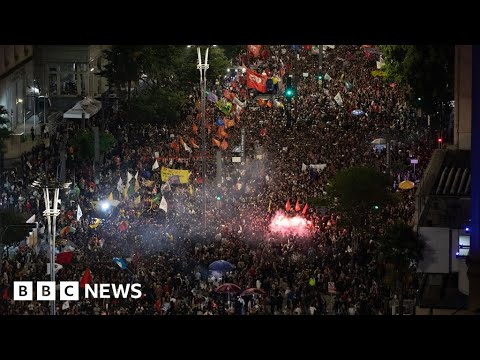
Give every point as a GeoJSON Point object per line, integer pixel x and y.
{"type": "Point", "coordinates": [360, 190]}
{"type": "Point", "coordinates": [84, 143]}
{"type": "Point", "coordinates": [4, 132]}
{"type": "Point", "coordinates": [162, 75]}
{"type": "Point", "coordinates": [427, 69]}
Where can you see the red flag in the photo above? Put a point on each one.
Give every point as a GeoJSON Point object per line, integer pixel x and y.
{"type": "Point", "coordinates": [254, 50]}
{"type": "Point", "coordinates": [256, 81]}
{"type": "Point", "coordinates": [215, 142]}
{"type": "Point", "coordinates": [174, 145]}
{"type": "Point", "coordinates": [123, 226]}
{"type": "Point", "coordinates": [87, 278]}
{"type": "Point", "coordinates": [192, 142]}
{"type": "Point", "coordinates": [224, 145]}
{"type": "Point", "coordinates": [64, 258]}
{"type": "Point", "coordinates": [195, 129]}
{"type": "Point", "coordinates": [305, 208]}
{"type": "Point", "coordinates": [297, 206]}
{"type": "Point", "coordinates": [227, 94]}
{"type": "Point", "coordinates": [287, 205]}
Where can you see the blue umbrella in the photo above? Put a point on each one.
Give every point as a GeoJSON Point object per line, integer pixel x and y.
{"type": "Point", "coordinates": [221, 265]}
{"type": "Point", "coordinates": [358, 112]}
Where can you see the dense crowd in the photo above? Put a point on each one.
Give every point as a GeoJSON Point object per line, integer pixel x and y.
{"type": "Point", "coordinates": [167, 251]}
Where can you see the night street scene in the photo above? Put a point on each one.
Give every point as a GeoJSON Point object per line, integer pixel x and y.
{"type": "Point", "coordinates": [239, 180]}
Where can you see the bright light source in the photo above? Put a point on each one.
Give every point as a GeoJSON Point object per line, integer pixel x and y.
{"type": "Point", "coordinates": [228, 70]}
{"type": "Point", "coordinates": [19, 101]}
{"type": "Point", "coordinates": [376, 207]}
{"type": "Point", "coordinates": [439, 140]}
{"type": "Point", "coordinates": [419, 99]}
{"type": "Point", "coordinates": [467, 229]}
{"type": "Point", "coordinates": [92, 69]}
{"type": "Point", "coordinates": [104, 205]}
{"type": "Point", "coordinates": [189, 46]}
{"type": "Point", "coordinates": [214, 45]}
{"type": "Point", "coordinates": [457, 253]}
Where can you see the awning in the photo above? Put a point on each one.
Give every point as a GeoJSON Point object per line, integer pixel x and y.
{"type": "Point", "coordinates": [87, 106]}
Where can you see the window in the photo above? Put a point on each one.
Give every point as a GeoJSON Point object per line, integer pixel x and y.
{"type": "Point", "coordinates": [463, 245]}
{"type": "Point", "coordinates": [68, 85]}
{"type": "Point", "coordinates": [52, 84]}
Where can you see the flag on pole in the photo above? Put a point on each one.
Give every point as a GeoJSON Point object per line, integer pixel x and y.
{"type": "Point", "coordinates": [64, 258]}
{"type": "Point", "coordinates": [163, 204]}
{"type": "Point", "coordinates": [187, 148]}
{"type": "Point", "coordinates": [155, 165]}
{"type": "Point", "coordinates": [137, 200]}
{"type": "Point", "coordinates": [190, 190]}
{"type": "Point", "coordinates": [66, 305]}
{"type": "Point", "coordinates": [87, 278]}
{"type": "Point", "coordinates": [120, 185]}
{"type": "Point", "coordinates": [120, 262]}
{"type": "Point", "coordinates": [79, 212]}
{"type": "Point", "coordinates": [110, 196]}
{"type": "Point", "coordinates": [305, 208]}
{"type": "Point", "coordinates": [57, 267]}
{"type": "Point", "coordinates": [297, 206]}
{"type": "Point", "coordinates": [129, 177]}
{"type": "Point", "coordinates": [287, 205]}
{"type": "Point", "coordinates": [137, 185]}
{"type": "Point", "coordinates": [338, 99]}
{"type": "Point", "coordinates": [136, 175]}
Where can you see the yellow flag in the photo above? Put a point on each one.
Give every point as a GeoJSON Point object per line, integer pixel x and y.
{"type": "Point", "coordinates": [343, 75]}
{"type": "Point", "coordinates": [110, 197]}
{"type": "Point", "coordinates": [190, 190]}
{"type": "Point", "coordinates": [137, 185]}
{"type": "Point", "coordinates": [125, 192]}
{"type": "Point", "coordinates": [137, 200]}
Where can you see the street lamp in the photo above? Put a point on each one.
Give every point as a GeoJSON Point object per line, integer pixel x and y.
{"type": "Point", "coordinates": [51, 190]}
{"type": "Point", "coordinates": [203, 88]}
{"type": "Point", "coordinates": [19, 101]}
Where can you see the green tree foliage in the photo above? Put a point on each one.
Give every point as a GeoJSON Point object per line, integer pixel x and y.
{"type": "Point", "coordinates": [427, 69]}
{"type": "Point", "coordinates": [402, 249]}
{"type": "Point", "coordinates": [163, 74]}
{"type": "Point", "coordinates": [84, 144]}
{"type": "Point", "coordinates": [360, 190]}
{"type": "Point", "coordinates": [12, 235]}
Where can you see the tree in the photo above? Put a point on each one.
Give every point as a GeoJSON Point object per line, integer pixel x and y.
{"type": "Point", "coordinates": [402, 249]}
{"type": "Point", "coordinates": [4, 133]}
{"type": "Point", "coordinates": [122, 67]}
{"type": "Point", "coordinates": [84, 144]}
{"type": "Point", "coordinates": [427, 69]}
{"type": "Point", "coordinates": [358, 191]}
{"type": "Point", "coordinates": [12, 235]}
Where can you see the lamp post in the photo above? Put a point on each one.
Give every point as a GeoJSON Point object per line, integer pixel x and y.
{"type": "Point", "coordinates": [51, 190]}
{"type": "Point", "coordinates": [203, 88]}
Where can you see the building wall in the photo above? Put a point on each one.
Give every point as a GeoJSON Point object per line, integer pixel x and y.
{"type": "Point", "coordinates": [463, 96]}
{"type": "Point", "coordinates": [69, 70]}
{"type": "Point", "coordinates": [16, 75]}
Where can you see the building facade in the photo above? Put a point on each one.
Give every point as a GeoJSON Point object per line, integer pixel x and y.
{"type": "Point", "coordinates": [16, 81]}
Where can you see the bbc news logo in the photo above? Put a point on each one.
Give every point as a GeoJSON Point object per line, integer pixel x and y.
{"type": "Point", "coordinates": [70, 290]}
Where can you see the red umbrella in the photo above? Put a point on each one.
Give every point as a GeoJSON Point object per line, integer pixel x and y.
{"type": "Point", "coordinates": [228, 288]}
{"type": "Point", "coordinates": [251, 291]}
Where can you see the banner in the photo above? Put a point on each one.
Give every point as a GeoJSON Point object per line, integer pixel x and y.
{"type": "Point", "coordinates": [254, 50]}
{"type": "Point", "coordinates": [315, 50]}
{"type": "Point", "coordinates": [338, 99]}
{"type": "Point", "coordinates": [256, 81]}
{"type": "Point", "coordinates": [182, 175]}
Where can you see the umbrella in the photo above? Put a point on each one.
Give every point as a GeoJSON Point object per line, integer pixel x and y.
{"type": "Point", "coordinates": [228, 288]}
{"type": "Point", "coordinates": [221, 265]}
{"type": "Point", "coordinates": [379, 141]}
{"type": "Point", "coordinates": [66, 230]}
{"type": "Point", "coordinates": [358, 112]}
{"type": "Point", "coordinates": [251, 291]}
{"type": "Point", "coordinates": [406, 185]}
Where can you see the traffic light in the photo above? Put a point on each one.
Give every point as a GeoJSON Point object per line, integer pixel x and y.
{"type": "Point", "coordinates": [289, 89]}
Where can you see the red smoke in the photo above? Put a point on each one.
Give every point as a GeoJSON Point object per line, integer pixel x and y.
{"type": "Point", "coordinates": [284, 225]}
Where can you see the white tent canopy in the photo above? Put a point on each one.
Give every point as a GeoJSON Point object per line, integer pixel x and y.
{"type": "Point", "coordinates": [89, 106]}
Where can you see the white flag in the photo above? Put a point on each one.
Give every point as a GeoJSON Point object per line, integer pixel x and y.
{"type": "Point", "coordinates": [338, 99]}
{"type": "Point", "coordinates": [156, 154]}
{"type": "Point", "coordinates": [57, 267]}
{"type": "Point", "coordinates": [120, 185]}
{"type": "Point", "coordinates": [129, 177]}
{"type": "Point", "coordinates": [155, 165]}
{"type": "Point", "coordinates": [65, 305]}
{"type": "Point", "coordinates": [79, 212]}
{"type": "Point", "coordinates": [163, 204]}
{"type": "Point", "coordinates": [136, 175]}
{"type": "Point", "coordinates": [304, 167]}
{"type": "Point", "coordinates": [187, 148]}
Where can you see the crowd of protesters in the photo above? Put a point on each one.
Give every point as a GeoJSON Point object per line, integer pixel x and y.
{"type": "Point", "coordinates": [168, 252]}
